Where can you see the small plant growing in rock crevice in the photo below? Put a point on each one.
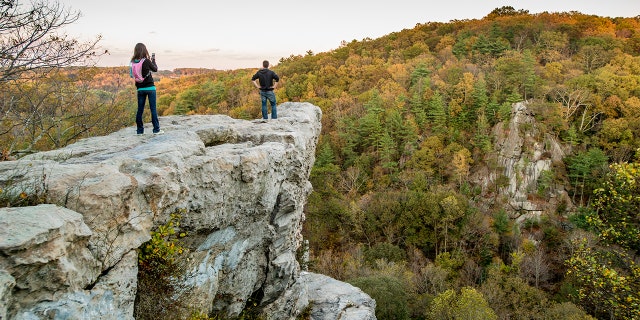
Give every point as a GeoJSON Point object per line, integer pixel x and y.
{"type": "Point", "coordinates": [24, 194]}
{"type": "Point", "coordinates": [164, 246]}
{"type": "Point", "coordinates": [158, 267]}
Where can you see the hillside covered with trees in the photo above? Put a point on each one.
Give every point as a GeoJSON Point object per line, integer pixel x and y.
{"type": "Point", "coordinates": [408, 122]}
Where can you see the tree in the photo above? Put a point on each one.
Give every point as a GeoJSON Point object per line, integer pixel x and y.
{"type": "Point", "coordinates": [388, 152]}
{"type": "Point", "coordinates": [505, 11]}
{"type": "Point", "coordinates": [452, 212]}
{"type": "Point", "coordinates": [462, 97]}
{"type": "Point", "coordinates": [40, 108]}
{"type": "Point", "coordinates": [400, 130]}
{"type": "Point", "coordinates": [511, 297]}
{"type": "Point", "coordinates": [517, 71]}
{"type": "Point", "coordinates": [429, 158]}
{"type": "Point", "coordinates": [534, 267]}
{"type": "Point", "coordinates": [552, 46]}
{"type": "Point", "coordinates": [54, 111]}
{"type": "Point", "coordinates": [596, 52]}
{"type": "Point", "coordinates": [617, 204]}
{"type": "Point", "coordinates": [469, 304]}
{"type": "Point", "coordinates": [438, 113]}
{"type": "Point", "coordinates": [482, 139]}
{"type": "Point", "coordinates": [618, 139]}
{"type": "Point", "coordinates": [389, 293]}
{"type": "Point", "coordinates": [608, 281]}
{"type": "Point", "coordinates": [30, 40]}
{"type": "Point", "coordinates": [370, 130]}
{"type": "Point", "coordinates": [585, 169]}
{"type": "Point", "coordinates": [529, 77]}
{"type": "Point", "coordinates": [461, 164]}
{"type": "Point", "coordinates": [480, 94]}
{"type": "Point", "coordinates": [567, 311]}
{"type": "Point", "coordinates": [432, 220]}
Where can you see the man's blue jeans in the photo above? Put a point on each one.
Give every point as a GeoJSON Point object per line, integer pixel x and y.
{"type": "Point", "coordinates": [268, 95]}
{"type": "Point", "coordinates": [142, 95]}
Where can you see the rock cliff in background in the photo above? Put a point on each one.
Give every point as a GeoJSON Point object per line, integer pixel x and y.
{"type": "Point", "coordinates": [523, 154]}
{"type": "Point", "coordinates": [240, 185]}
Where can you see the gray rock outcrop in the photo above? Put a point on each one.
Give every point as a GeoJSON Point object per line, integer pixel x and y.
{"type": "Point", "coordinates": [240, 187]}
{"type": "Point", "coordinates": [523, 153]}
{"type": "Point", "coordinates": [333, 299]}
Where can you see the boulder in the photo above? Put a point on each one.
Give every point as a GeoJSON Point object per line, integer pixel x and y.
{"type": "Point", "coordinates": [44, 249]}
{"type": "Point", "coordinates": [239, 187]}
{"type": "Point", "coordinates": [331, 299]}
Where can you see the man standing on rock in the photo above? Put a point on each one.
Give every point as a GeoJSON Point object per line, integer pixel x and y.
{"type": "Point", "coordinates": [267, 80]}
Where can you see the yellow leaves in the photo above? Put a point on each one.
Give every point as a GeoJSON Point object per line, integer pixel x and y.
{"type": "Point", "coordinates": [631, 107]}
{"type": "Point", "coordinates": [461, 163]}
{"type": "Point", "coordinates": [554, 71]}
{"type": "Point", "coordinates": [617, 202]}
{"type": "Point", "coordinates": [606, 279]}
{"type": "Point", "coordinates": [399, 73]}
{"type": "Point", "coordinates": [163, 246]}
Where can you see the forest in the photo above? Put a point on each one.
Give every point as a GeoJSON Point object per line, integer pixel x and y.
{"type": "Point", "coordinates": [407, 134]}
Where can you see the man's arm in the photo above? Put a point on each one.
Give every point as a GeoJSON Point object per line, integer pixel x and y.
{"type": "Point", "coordinates": [276, 78]}
{"type": "Point", "coordinates": [255, 80]}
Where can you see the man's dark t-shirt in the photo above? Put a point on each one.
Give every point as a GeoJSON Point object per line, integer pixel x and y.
{"type": "Point", "coordinates": [266, 78]}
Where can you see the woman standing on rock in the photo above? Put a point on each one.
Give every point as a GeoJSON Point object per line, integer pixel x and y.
{"type": "Point", "coordinates": [141, 67]}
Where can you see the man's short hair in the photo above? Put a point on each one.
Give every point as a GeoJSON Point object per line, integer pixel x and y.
{"type": "Point", "coordinates": [265, 64]}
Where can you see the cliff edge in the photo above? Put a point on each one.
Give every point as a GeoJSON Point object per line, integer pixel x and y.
{"type": "Point", "coordinates": [240, 188]}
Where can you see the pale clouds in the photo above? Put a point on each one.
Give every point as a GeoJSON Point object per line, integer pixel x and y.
{"type": "Point", "coordinates": [240, 34]}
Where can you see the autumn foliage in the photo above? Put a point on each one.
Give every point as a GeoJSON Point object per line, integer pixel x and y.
{"type": "Point", "coordinates": [407, 124]}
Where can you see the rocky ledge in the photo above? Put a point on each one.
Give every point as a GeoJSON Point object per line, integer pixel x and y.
{"type": "Point", "coordinates": [240, 187]}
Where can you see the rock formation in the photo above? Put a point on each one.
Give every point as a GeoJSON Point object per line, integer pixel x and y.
{"type": "Point", "coordinates": [240, 186]}
{"type": "Point", "coordinates": [522, 154]}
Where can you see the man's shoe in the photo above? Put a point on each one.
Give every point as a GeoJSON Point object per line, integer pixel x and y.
{"type": "Point", "coordinates": [159, 132]}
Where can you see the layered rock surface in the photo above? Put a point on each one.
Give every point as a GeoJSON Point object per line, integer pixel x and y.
{"type": "Point", "coordinates": [523, 153]}
{"type": "Point", "coordinates": [240, 186]}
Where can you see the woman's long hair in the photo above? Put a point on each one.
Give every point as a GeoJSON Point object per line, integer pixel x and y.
{"type": "Point", "coordinates": [139, 52]}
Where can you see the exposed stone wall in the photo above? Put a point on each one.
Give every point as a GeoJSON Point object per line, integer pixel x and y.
{"type": "Point", "coordinates": [522, 154]}
{"type": "Point", "coordinates": [241, 186]}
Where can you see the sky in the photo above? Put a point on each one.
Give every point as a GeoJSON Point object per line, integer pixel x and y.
{"type": "Point", "coordinates": [235, 34]}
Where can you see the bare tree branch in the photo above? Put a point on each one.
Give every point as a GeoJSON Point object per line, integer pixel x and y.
{"type": "Point", "coordinates": [31, 39]}
{"type": "Point", "coordinates": [42, 102]}
{"type": "Point", "coordinates": [571, 100]}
